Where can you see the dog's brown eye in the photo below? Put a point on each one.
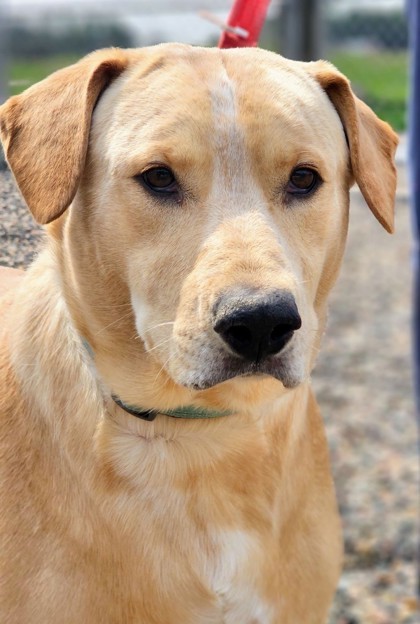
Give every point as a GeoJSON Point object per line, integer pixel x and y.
{"type": "Point", "coordinates": [160, 180]}
{"type": "Point", "coordinates": [302, 181]}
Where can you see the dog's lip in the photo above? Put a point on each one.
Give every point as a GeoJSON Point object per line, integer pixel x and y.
{"type": "Point", "coordinates": [232, 368]}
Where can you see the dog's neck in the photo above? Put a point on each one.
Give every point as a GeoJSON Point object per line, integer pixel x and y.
{"type": "Point", "coordinates": [96, 431]}
{"type": "Point", "coordinates": [185, 411]}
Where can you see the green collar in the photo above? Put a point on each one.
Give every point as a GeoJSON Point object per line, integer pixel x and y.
{"type": "Point", "coordinates": [186, 411]}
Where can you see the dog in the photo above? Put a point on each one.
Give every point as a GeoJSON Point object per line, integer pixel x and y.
{"type": "Point", "coordinates": [163, 459]}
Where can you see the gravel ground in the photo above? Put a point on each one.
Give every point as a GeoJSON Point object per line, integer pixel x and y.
{"type": "Point", "coordinates": [363, 383]}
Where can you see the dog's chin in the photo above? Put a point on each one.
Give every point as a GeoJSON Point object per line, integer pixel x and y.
{"type": "Point", "coordinates": [289, 374]}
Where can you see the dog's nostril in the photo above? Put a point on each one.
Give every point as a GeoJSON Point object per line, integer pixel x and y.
{"type": "Point", "coordinates": [240, 333]}
{"type": "Point", "coordinates": [256, 326]}
{"type": "Point", "coordinates": [279, 332]}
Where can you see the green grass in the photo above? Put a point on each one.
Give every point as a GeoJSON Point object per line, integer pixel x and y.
{"type": "Point", "coordinates": [26, 72]}
{"type": "Point", "coordinates": [380, 79]}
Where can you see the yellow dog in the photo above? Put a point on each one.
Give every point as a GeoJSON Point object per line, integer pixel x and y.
{"type": "Point", "coordinates": [163, 460]}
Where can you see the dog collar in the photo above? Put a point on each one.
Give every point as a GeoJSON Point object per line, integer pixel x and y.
{"type": "Point", "coordinates": [186, 411]}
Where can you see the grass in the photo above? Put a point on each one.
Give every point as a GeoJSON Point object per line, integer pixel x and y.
{"type": "Point", "coordinates": [379, 78]}
{"type": "Point", "coordinates": [24, 73]}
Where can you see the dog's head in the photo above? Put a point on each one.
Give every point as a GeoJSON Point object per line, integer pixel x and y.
{"type": "Point", "coordinates": [209, 194]}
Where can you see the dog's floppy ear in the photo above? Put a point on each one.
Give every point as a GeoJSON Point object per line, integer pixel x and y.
{"type": "Point", "coordinates": [372, 143]}
{"type": "Point", "coordinates": [45, 131]}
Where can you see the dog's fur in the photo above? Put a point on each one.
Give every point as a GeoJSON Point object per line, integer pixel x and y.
{"type": "Point", "coordinates": [106, 518]}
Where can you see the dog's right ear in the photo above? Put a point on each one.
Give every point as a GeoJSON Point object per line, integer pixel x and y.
{"type": "Point", "coordinates": [372, 142]}
{"type": "Point", "coordinates": [45, 131]}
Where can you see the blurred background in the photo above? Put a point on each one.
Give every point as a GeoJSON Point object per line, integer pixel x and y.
{"type": "Point", "coordinates": [366, 39]}
{"type": "Point", "coordinates": [363, 376]}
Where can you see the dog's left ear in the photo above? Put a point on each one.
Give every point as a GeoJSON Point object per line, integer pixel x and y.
{"type": "Point", "coordinates": [45, 131]}
{"type": "Point", "coordinates": [372, 142]}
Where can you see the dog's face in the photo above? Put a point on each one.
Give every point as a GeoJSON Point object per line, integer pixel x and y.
{"type": "Point", "coordinates": [210, 215]}
{"type": "Point", "coordinates": [221, 194]}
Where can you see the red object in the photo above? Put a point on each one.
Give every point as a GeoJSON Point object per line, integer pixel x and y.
{"type": "Point", "coordinates": [249, 16]}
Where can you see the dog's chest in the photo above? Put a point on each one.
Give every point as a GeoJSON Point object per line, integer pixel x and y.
{"type": "Point", "coordinates": [208, 547]}
{"type": "Point", "coordinates": [232, 572]}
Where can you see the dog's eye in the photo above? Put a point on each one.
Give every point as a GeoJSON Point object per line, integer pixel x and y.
{"type": "Point", "coordinates": [160, 180]}
{"type": "Point", "coordinates": [302, 181]}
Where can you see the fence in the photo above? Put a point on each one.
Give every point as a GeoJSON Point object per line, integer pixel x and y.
{"type": "Point", "coordinates": [367, 41]}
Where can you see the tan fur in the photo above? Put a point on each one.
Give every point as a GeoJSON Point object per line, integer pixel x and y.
{"type": "Point", "coordinates": [9, 279]}
{"type": "Point", "coordinates": [106, 518]}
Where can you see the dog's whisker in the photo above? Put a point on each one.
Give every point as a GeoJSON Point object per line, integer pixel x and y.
{"type": "Point", "coordinates": [160, 344]}
{"type": "Point", "coordinates": [159, 325]}
{"type": "Point", "coordinates": [121, 318]}
{"type": "Point", "coordinates": [112, 307]}
{"type": "Point", "coordinates": [135, 336]}
{"type": "Point", "coordinates": [162, 368]}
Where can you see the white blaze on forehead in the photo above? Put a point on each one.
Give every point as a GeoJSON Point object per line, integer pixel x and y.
{"type": "Point", "coordinates": [233, 181]}
{"type": "Point", "coordinates": [228, 140]}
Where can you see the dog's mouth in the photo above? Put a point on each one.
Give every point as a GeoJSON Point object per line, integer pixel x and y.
{"type": "Point", "coordinates": [250, 333]}
{"type": "Point", "coordinates": [230, 368]}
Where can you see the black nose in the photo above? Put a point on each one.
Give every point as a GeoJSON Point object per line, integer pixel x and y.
{"type": "Point", "coordinates": [256, 325]}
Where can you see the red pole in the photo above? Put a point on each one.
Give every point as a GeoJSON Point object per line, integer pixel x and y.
{"type": "Point", "coordinates": [248, 15]}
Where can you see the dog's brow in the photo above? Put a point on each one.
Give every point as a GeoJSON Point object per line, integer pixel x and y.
{"type": "Point", "coordinates": [155, 65]}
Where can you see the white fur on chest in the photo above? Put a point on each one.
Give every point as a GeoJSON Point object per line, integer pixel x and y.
{"type": "Point", "coordinates": [232, 575]}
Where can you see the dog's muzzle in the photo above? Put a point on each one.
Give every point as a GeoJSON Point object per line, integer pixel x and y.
{"type": "Point", "coordinates": [255, 326]}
